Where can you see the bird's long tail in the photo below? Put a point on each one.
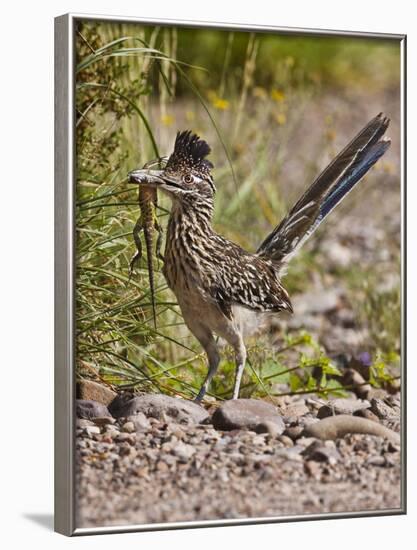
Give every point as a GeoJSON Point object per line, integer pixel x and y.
{"type": "Point", "coordinates": [327, 191]}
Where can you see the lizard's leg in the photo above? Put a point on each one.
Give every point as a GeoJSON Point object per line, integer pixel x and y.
{"type": "Point", "coordinates": [158, 245]}
{"type": "Point", "coordinates": [136, 237]}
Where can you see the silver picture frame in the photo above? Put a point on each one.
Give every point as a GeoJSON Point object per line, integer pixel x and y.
{"type": "Point", "coordinates": [65, 513]}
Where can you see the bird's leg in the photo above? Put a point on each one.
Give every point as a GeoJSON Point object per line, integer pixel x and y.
{"type": "Point", "coordinates": [213, 361]}
{"type": "Point", "coordinates": [136, 237]}
{"type": "Point", "coordinates": [206, 339]}
{"type": "Point", "coordinates": [240, 354]}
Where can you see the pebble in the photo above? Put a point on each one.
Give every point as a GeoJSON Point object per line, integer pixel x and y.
{"type": "Point", "coordinates": [285, 440]}
{"type": "Point", "coordinates": [83, 423]}
{"type": "Point", "coordinates": [183, 451]}
{"type": "Point", "coordinates": [128, 437]}
{"type": "Point", "coordinates": [317, 302]}
{"type": "Point", "coordinates": [128, 427]}
{"type": "Point", "coordinates": [382, 410]}
{"type": "Point", "coordinates": [367, 413]}
{"type": "Point", "coordinates": [296, 410]}
{"type": "Point", "coordinates": [91, 430]}
{"type": "Point", "coordinates": [292, 453]}
{"type": "Point", "coordinates": [140, 422]}
{"type": "Point", "coordinates": [322, 453]}
{"type": "Point", "coordinates": [294, 432]}
{"type": "Point", "coordinates": [104, 420]}
{"type": "Point", "coordinates": [313, 468]}
{"type": "Point", "coordinates": [269, 427]}
{"type": "Point", "coordinates": [248, 414]}
{"type": "Point", "coordinates": [93, 391]}
{"type": "Point", "coordinates": [90, 409]}
{"type": "Point", "coordinates": [376, 461]}
{"type": "Point", "coordinates": [342, 406]}
{"type": "Point", "coordinates": [161, 407]}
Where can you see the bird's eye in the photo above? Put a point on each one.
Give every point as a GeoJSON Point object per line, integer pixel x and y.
{"type": "Point", "coordinates": [188, 178]}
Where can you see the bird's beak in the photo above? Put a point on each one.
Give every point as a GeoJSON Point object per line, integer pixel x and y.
{"type": "Point", "coordinates": [146, 176]}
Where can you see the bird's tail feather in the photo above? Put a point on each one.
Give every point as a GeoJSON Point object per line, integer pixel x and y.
{"type": "Point", "coordinates": [327, 191]}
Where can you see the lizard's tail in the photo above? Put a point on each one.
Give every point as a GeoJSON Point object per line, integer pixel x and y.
{"type": "Point", "coordinates": [151, 274]}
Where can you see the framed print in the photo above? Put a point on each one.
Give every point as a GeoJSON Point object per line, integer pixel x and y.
{"type": "Point", "coordinates": [230, 289]}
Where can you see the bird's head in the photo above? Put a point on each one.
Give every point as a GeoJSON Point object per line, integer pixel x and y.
{"type": "Point", "coordinates": [186, 176]}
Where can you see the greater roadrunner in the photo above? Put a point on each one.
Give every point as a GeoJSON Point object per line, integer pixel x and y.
{"type": "Point", "coordinates": [212, 277]}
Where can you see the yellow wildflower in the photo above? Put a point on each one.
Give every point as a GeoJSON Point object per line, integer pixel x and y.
{"type": "Point", "coordinates": [280, 118]}
{"type": "Point", "coordinates": [278, 95]}
{"type": "Point", "coordinates": [190, 116]}
{"type": "Point", "coordinates": [221, 104]}
{"type": "Point", "coordinates": [167, 120]}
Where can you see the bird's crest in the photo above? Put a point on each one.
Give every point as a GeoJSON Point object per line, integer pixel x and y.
{"type": "Point", "coordinates": [189, 155]}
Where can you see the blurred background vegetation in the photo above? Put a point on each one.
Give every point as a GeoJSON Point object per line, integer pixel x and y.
{"type": "Point", "coordinates": [275, 109]}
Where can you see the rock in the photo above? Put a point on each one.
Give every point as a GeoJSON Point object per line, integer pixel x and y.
{"type": "Point", "coordinates": [352, 377]}
{"type": "Point", "coordinates": [366, 413]}
{"type": "Point", "coordinates": [104, 420]}
{"type": "Point", "coordinates": [376, 461]}
{"type": "Point", "coordinates": [337, 426]}
{"type": "Point", "coordinates": [91, 430]}
{"type": "Point", "coordinates": [296, 410]}
{"type": "Point", "coordinates": [322, 453]}
{"type": "Point", "coordinates": [83, 423]}
{"type": "Point", "coordinates": [270, 428]}
{"type": "Point", "coordinates": [376, 393]}
{"type": "Point", "coordinates": [342, 406]}
{"type": "Point", "coordinates": [162, 407]}
{"type": "Point", "coordinates": [93, 391]}
{"type": "Point", "coordinates": [383, 410]}
{"type": "Point", "coordinates": [346, 317]}
{"type": "Point", "coordinates": [286, 441]}
{"type": "Point", "coordinates": [128, 427]}
{"type": "Point", "coordinates": [393, 386]}
{"type": "Point", "coordinates": [305, 440]}
{"type": "Point", "coordinates": [125, 437]}
{"type": "Point", "coordinates": [393, 400]}
{"type": "Point", "coordinates": [90, 409]}
{"type": "Point", "coordinates": [310, 322]}
{"type": "Point", "coordinates": [318, 302]}
{"type": "Point", "coordinates": [313, 468]}
{"type": "Point", "coordinates": [119, 402]}
{"type": "Point", "coordinates": [290, 453]}
{"type": "Point", "coordinates": [248, 414]}
{"type": "Point", "coordinates": [183, 451]}
{"type": "Point", "coordinates": [140, 422]}
{"type": "Point", "coordinates": [337, 254]}
{"type": "Point", "coordinates": [294, 432]}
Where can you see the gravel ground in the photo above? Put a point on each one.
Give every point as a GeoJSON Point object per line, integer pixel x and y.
{"type": "Point", "coordinates": [139, 469]}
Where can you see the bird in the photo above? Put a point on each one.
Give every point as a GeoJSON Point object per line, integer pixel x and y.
{"type": "Point", "coordinates": [214, 279]}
